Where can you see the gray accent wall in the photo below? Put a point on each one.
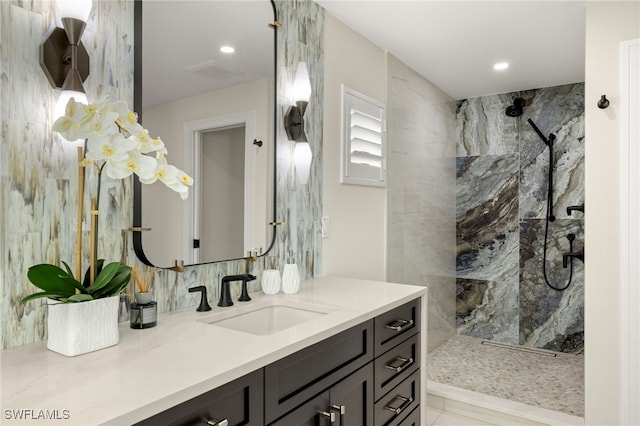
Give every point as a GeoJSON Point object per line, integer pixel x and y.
{"type": "Point", "coordinates": [421, 198]}
{"type": "Point", "coordinates": [501, 189]}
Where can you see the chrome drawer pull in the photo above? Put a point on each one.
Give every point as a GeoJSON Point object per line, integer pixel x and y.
{"type": "Point", "coordinates": [330, 416]}
{"type": "Point", "coordinates": [405, 403]}
{"type": "Point", "coordinates": [214, 422]}
{"type": "Point", "coordinates": [339, 408]}
{"type": "Point", "coordinates": [405, 362]}
{"type": "Point", "coordinates": [399, 325]}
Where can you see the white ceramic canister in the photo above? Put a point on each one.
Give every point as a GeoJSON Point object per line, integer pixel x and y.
{"type": "Point", "coordinates": [290, 277]}
{"type": "Point", "coordinates": [270, 281]}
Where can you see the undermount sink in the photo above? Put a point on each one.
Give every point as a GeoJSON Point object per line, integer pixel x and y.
{"type": "Point", "coordinates": [267, 316]}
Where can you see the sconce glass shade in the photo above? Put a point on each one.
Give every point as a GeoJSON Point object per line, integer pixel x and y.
{"type": "Point", "coordinates": [302, 84]}
{"type": "Point", "coordinates": [302, 159]}
{"type": "Point", "coordinates": [77, 9]}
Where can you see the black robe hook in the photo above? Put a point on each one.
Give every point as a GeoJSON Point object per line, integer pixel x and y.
{"type": "Point", "coordinates": [603, 102]}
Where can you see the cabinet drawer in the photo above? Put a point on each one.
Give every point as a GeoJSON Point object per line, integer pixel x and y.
{"type": "Point", "coordinates": [238, 402]}
{"type": "Point", "coordinates": [395, 365]}
{"type": "Point", "coordinates": [412, 419]}
{"type": "Point", "coordinates": [300, 376]}
{"type": "Point", "coordinates": [396, 325]}
{"type": "Point", "coordinates": [312, 413]}
{"type": "Point", "coordinates": [392, 408]}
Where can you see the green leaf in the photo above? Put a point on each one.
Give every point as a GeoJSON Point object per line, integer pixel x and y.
{"type": "Point", "coordinates": [38, 296]}
{"type": "Point", "coordinates": [104, 277]}
{"type": "Point", "coordinates": [87, 275]}
{"type": "Point", "coordinates": [117, 283]}
{"type": "Point", "coordinates": [53, 279]}
{"type": "Point", "coordinates": [66, 266]}
{"type": "Point", "coordinates": [80, 298]}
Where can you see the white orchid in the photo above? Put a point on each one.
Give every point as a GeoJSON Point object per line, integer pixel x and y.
{"type": "Point", "coordinates": [118, 144]}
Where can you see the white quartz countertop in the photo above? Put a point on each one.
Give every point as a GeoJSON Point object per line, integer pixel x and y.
{"type": "Point", "coordinates": [154, 369]}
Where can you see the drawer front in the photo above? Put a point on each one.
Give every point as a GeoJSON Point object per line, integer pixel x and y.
{"type": "Point", "coordinates": [236, 403]}
{"type": "Point", "coordinates": [412, 419]}
{"type": "Point", "coordinates": [300, 376]}
{"type": "Point", "coordinates": [312, 413]}
{"type": "Point", "coordinates": [392, 408]}
{"type": "Point", "coordinates": [396, 325]}
{"type": "Point", "coordinates": [395, 365]}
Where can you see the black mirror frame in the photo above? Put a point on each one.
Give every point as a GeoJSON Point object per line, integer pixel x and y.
{"type": "Point", "coordinates": [137, 228]}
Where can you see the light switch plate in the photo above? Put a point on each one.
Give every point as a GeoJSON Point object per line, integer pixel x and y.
{"type": "Point", "coordinates": [326, 227]}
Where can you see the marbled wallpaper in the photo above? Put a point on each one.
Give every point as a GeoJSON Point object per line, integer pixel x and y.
{"type": "Point", "coordinates": [501, 190]}
{"type": "Point", "coordinates": [38, 170]}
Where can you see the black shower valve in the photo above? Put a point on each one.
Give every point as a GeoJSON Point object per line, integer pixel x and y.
{"type": "Point", "coordinates": [579, 208]}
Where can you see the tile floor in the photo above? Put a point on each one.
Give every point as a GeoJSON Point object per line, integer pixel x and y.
{"type": "Point", "coordinates": [438, 418]}
{"type": "Point", "coordinates": [552, 382]}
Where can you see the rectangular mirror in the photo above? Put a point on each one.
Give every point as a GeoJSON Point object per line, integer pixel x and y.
{"type": "Point", "coordinates": [215, 111]}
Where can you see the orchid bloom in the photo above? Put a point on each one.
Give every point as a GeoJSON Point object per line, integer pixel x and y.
{"type": "Point", "coordinates": [115, 138]}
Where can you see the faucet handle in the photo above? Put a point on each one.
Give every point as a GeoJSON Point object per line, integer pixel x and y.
{"type": "Point", "coordinates": [204, 304]}
{"type": "Point", "coordinates": [244, 297]}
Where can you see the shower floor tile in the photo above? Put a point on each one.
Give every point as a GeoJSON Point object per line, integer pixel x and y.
{"type": "Point", "coordinates": [538, 379]}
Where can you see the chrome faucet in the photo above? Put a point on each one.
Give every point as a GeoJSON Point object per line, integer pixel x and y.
{"type": "Point", "coordinates": [225, 293]}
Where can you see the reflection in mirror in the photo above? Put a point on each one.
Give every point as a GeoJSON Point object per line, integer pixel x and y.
{"type": "Point", "coordinates": [208, 106]}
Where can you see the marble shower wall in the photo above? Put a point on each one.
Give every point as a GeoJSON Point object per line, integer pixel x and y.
{"type": "Point", "coordinates": [501, 188]}
{"type": "Point", "coordinates": [421, 192]}
{"type": "Point", "coordinates": [38, 170]}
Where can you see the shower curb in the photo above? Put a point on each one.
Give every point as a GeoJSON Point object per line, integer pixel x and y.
{"type": "Point", "coordinates": [493, 410]}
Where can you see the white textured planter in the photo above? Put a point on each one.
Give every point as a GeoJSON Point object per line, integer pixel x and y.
{"type": "Point", "coordinates": [79, 328]}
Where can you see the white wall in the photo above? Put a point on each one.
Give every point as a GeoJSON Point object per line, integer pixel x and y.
{"type": "Point", "coordinates": [163, 244]}
{"type": "Point", "coordinates": [356, 247]}
{"type": "Point", "coordinates": [223, 161]}
{"type": "Point", "coordinates": [608, 23]}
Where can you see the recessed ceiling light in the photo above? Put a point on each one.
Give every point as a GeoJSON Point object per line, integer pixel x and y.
{"type": "Point", "coordinates": [227, 49]}
{"type": "Point", "coordinates": [501, 66]}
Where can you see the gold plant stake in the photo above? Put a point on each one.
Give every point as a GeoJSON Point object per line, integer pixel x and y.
{"type": "Point", "coordinates": [79, 222]}
{"type": "Point", "coordinates": [94, 222]}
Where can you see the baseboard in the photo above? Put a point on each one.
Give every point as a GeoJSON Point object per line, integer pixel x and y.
{"type": "Point", "coordinates": [493, 410]}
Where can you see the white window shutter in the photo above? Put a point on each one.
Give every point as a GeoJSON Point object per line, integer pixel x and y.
{"type": "Point", "coordinates": [363, 140]}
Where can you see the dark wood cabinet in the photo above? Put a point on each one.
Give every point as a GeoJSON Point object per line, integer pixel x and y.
{"type": "Point", "coordinates": [366, 375]}
{"type": "Point", "coordinates": [397, 364]}
{"type": "Point", "coordinates": [238, 403]}
{"type": "Point", "coordinates": [396, 325]}
{"type": "Point", "coordinates": [347, 403]}
{"type": "Point", "coordinates": [392, 408]}
{"type": "Point", "coordinates": [298, 377]}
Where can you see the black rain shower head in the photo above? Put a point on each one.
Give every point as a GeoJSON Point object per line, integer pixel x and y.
{"type": "Point", "coordinates": [515, 110]}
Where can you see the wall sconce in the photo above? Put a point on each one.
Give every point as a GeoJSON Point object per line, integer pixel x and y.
{"type": "Point", "coordinates": [294, 123]}
{"type": "Point", "coordinates": [63, 57]}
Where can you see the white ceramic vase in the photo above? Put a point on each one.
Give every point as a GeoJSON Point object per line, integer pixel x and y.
{"type": "Point", "coordinates": [290, 279]}
{"type": "Point", "coordinates": [270, 281]}
{"type": "Point", "coordinates": [79, 328]}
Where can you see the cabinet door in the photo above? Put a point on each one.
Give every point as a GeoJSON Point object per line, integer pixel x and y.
{"type": "Point", "coordinates": [312, 413]}
{"type": "Point", "coordinates": [237, 403]}
{"type": "Point", "coordinates": [352, 399]}
{"type": "Point", "coordinates": [298, 377]}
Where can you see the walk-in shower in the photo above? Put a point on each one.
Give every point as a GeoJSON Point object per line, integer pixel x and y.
{"type": "Point", "coordinates": [519, 186]}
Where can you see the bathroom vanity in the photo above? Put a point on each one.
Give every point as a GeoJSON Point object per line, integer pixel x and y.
{"type": "Point", "coordinates": [351, 354]}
